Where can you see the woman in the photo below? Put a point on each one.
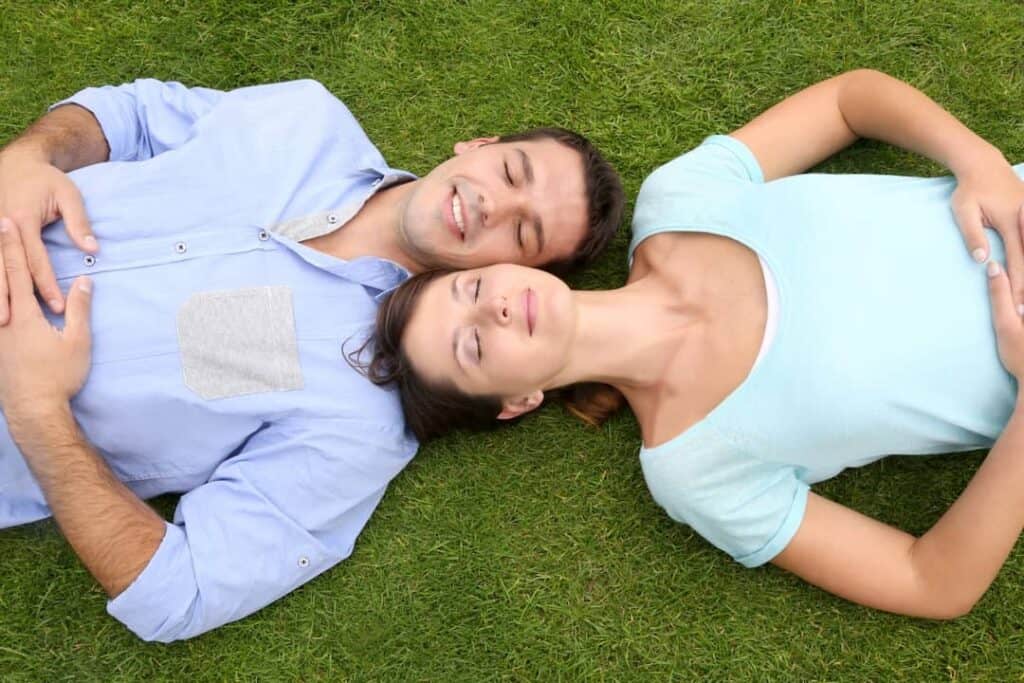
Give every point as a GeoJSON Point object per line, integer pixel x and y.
{"type": "Point", "coordinates": [772, 334]}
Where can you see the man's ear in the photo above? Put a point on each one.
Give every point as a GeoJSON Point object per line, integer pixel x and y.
{"type": "Point", "coordinates": [515, 407]}
{"type": "Point", "coordinates": [467, 145]}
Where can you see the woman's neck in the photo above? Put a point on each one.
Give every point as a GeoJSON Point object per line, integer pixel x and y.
{"type": "Point", "coordinates": [626, 337]}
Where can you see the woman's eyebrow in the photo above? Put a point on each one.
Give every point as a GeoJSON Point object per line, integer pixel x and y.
{"type": "Point", "coordinates": [455, 331]}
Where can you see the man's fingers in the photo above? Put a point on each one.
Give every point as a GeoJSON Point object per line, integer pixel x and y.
{"type": "Point", "coordinates": [1005, 318]}
{"type": "Point", "coordinates": [19, 280]}
{"type": "Point", "coordinates": [76, 319]}
{"type": "Point", "coordinates": [42, 272]}
{"type": "Point", "coordinates": [76, 222]}
{"type": "Point", "coordinates": [968, 217]}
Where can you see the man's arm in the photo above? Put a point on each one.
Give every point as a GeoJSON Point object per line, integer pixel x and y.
{"type": "Point", "coordinates": [270, 518]}
{"type": "Point", "coordinates": [130, 122]}
{"type": "Point", "coordinates": [34, 190]}
{"type": "Point", "coordinates": [41, 368]}
{"type": "Point", "coordinates": [113, 532]}
{"type": "Point", "coordinates": [67, 138]}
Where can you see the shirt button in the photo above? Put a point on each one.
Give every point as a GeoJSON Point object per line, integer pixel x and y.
{"type": "Point", "coordinates": [89, 260]}
{"type": "Point", "coordinates": [264, 236]}
{"type": "Point", "coordinates": [303, 561]}
{"type": "Point", "coordinates": [332, 218]}
{"type": "Point", "coordinates": [180, 247]}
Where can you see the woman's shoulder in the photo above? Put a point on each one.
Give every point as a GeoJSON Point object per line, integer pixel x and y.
{"type": "Point", "coordinates": [746, 506]}
{"type": "Point", "coordinates": [697, 190]}
{"type": "Point", "coordinates": [719, 158]}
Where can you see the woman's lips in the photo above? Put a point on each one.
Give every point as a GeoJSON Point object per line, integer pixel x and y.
{"type": "Point", "coordinates": [531, 310]}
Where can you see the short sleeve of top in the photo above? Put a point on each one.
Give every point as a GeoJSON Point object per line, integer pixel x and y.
{"type": "Point", "coordinates": [749, 508]}
{"type": "Point", "coordinates": [707, 477]}
{"type": "Point", "coordinates": [696, 191]}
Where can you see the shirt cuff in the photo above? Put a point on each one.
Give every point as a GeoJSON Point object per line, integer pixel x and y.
{"type": "Point", "coordinates": [741, 152]}
{"type": "Point", "coordinates": [784, 535]}
{"type": "Point", "coordinates": [101, 102]}
{"type": "Point", "coordinates": [159, 601]}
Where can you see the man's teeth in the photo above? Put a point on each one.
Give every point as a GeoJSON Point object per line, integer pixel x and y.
{"type": "Point", "coordinates": [457, 210]}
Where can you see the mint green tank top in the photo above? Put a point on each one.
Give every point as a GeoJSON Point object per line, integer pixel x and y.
{"type": "Point", "coordinates": [884, 342]}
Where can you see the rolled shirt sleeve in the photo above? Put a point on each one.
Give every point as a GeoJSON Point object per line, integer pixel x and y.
{"type": "Point", "coordinates": [285, 509]}
{"type": "Point", "coordinates": [146, 117]}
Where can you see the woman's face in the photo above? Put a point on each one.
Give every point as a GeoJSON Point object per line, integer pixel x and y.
{"type": "Point", "coordinates": [503, 330]}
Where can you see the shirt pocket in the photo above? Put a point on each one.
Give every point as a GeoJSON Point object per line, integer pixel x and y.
{"type": "Point", "coordinates": [238, 342]}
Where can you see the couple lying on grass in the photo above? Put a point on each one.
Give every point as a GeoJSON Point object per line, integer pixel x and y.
{"type": "Point", "coordinates": [775, 329]}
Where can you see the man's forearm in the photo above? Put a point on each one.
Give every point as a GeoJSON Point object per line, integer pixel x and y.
{"type": "Point", "coordinates": [113, 532]}
{"type": "Point", "coordinates": [68, 137]}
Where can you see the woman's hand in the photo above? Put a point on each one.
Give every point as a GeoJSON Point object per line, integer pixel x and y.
{"type": "Point", "coordinates": [1006, 318]}
{"type": "Point", "coordinates": [989, 194]}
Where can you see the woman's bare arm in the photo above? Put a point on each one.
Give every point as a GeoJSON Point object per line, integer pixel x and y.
{"type": "Point", "coordinates": [815, 123]}
{"type": "Point", "coordinates": [943, 573]}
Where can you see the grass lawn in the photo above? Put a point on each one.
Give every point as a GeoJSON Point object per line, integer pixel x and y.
{"type": "Point", "coordinates": [533, 553]}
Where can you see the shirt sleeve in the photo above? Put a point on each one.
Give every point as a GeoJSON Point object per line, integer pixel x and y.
{"type": "Point", "coordinates": [698, 190]}
{"type": "Point", "coordinates": [748, 508]}
{"type": "Point", "coordinates": [146, 117]}
{"type": "Point", "coordinates": [285, 509]}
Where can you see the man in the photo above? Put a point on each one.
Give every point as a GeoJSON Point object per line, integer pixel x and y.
{"type": "Point", "coordinates": [246, 238]}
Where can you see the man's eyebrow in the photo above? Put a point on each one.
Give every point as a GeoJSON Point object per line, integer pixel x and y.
{"type": "Point", "coordinates": [527, 165]}
{"type": "Point", "coordinates": [538, 225]}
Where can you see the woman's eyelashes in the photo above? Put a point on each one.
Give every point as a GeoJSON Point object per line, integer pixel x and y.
{"type": "Point", "coordinates": [476, 330]}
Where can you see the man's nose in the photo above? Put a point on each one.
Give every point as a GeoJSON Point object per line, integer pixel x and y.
{"type": "Point", "coordinates": [502, 208]}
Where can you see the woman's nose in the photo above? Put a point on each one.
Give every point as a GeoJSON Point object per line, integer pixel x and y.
{"type": "Point", "coordinates": [499, 310]}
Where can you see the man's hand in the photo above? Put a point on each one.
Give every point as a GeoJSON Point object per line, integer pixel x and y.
{"type": "Point", "coordinates": [113, 532]}
{"type": "Point", "coordinates": [990, 195]}
{"type": "Point", "coordinates": [34, 194]}
{"type": "Point", "coordinates": [40, 365]}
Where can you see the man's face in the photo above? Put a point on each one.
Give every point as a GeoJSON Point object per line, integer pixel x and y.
{"type": "Point", "coordinates": [511, 202]}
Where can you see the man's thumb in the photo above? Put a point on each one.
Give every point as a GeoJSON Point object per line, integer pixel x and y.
{"type": "Point", "coordinates": [79, 305]}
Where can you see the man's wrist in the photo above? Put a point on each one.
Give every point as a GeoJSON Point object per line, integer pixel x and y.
{"type": "Point", "coordinates": [43, 422]}
{"type": "Point", "coordinates": [25, 150]}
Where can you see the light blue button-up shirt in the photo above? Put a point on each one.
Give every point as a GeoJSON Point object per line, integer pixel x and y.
{"type": "Point", "coordinates": [218, 338]}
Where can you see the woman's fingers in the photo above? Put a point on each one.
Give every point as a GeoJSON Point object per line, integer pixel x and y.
{"type": "Point", "coordinates": [1005, 319]}
{"type": "Point", "coordinates": [969, 218]}
{"type": "Point", "coordinates": [1009, 231]}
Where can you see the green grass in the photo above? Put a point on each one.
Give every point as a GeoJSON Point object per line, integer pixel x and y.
{"type": "Point", "coordinates": [534, 552]}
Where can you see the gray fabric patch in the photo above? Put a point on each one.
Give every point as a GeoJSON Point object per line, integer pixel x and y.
{"type": "Point", "coordinates": [308, 227]}
{"type": "Point", "coordinates": [238, 342]}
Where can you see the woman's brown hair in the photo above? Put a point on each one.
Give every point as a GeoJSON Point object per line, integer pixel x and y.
{"type": "Point", "coordinates": [433, 409]}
